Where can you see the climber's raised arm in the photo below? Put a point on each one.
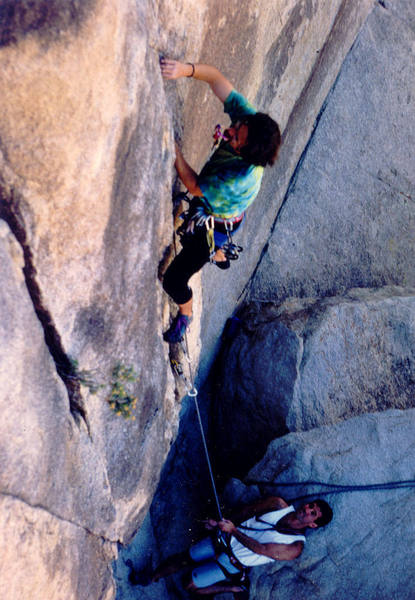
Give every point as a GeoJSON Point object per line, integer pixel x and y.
{"type": "Point", "coordinates": [173, 69]}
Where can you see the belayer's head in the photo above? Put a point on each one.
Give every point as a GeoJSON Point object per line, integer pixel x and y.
{"type": "Point", "coordinates": [314, 514]}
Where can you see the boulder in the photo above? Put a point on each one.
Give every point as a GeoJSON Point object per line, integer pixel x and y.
{"type": "Point", "coordinates": [351, 557]}
{"type": "Point", "coordinates": [308, 363]}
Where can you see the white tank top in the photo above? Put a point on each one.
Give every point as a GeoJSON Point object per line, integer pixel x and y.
{"type": "Point", "coordinates": [266, 536]}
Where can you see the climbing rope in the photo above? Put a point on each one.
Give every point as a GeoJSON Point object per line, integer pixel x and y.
{"type": "Point", "coordinates": [193, 393]}
{"type": "Point", "coordinates": [334, 488]}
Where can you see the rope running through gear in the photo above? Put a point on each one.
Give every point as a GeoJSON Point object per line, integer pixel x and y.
{"type": "Point", "coordinates": [192, 393]}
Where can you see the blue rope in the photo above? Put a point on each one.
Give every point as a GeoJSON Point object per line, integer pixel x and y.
{"type": "Point", "coordinates": [335, 488]}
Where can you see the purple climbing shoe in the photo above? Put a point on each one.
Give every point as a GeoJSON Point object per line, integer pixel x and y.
{"type": "Point", "coordinates": [177, 329]}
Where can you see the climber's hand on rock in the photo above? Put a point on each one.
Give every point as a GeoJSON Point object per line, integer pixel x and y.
{"type": "Point", "coordinates": [173, 69]}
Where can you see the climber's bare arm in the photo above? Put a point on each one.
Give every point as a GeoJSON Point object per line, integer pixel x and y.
{"type": "Point", "coordinates": [186, 174]}
{"type": "Point", "coordinates": [173, 69]}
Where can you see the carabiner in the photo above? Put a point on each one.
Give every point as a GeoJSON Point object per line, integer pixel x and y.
{"type": "Point", "coordinates": [210, 222]}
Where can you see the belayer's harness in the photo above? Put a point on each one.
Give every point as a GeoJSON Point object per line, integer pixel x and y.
{"type": "Point", "coordinates": [222, 545]}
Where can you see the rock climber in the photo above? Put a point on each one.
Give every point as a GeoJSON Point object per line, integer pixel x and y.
{"type": "Point", "coordinates": [228, 183]}
{"type": "Point", "coordinates": [269, 529]}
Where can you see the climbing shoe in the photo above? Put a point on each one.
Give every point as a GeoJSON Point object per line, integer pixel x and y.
{"type": "Point", "coordinates": [177, 329]}
{"type": "Point", "coordinates": [222, 264]}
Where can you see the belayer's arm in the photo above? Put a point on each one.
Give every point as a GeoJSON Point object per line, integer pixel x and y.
{"type": "Point", "coordinates": [173, 69]}
{"type": "Point", "coordinates": [274, 551]}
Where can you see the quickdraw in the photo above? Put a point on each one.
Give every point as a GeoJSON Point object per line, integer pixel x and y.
{"type": "Point", "coordinates": [230, 249]}
{"type": "Point", "coordinates": [210, 236]}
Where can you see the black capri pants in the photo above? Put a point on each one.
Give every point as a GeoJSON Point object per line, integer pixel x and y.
{"type": "Point", "coordinates": [192, 257]}
{"type": "Point", "coordinates": [190, 260]}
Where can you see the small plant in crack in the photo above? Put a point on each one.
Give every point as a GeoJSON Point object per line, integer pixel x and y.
{"type": "Point", "coordinates": [86, 378]}
{"type": "Point", "coordinates": [119, 397]}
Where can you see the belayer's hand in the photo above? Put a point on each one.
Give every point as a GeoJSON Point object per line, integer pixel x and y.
{"type": "Point", "coordinates": [173, 69]}
{"type": "Point", "coordinates": [226, 526]}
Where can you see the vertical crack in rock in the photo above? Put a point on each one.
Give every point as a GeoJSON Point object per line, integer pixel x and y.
{"type": "Point", "coordinates": [291, 186]}
{"type": "Point", "coordinates": [48, 19]}
{"type": "Point", "coordinates": [10, 212]}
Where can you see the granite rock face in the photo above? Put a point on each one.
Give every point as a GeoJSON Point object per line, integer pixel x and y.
{"type": "Point", "coordinates": [348, 219]}
{"type": "Point", "coordinates": [76, 166]}
{"type": "Point", "coordinates": [84, 150]}
{"type": "Point", "coordinates": [86, 156]}
{"type": "Point", "coordinates": [347, 559]}
{"type": "Point", "coordinates": [308, 363]}
{"type": "Point", "coordinates": [57, 508]}
{"type": "Point", "coordinates": [298, 53]}
{"type": "Point", "coordinates": [46, 557]}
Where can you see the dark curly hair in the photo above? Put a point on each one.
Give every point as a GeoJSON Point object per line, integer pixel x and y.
{"type": "Point", "coordinates": [264, 140]}
{"type": "Point", "coordinates": [326, 513]}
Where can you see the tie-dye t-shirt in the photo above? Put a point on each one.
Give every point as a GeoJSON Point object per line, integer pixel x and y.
{"type": "Point", "coordinates": [229, 184]}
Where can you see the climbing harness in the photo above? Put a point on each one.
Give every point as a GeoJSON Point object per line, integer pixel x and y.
{"type": "Point", "coordinates": [196, 217]}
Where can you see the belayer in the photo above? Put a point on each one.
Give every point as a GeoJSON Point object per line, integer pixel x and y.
{"type": "Point", "coordinates": [228, 183]}
{"type": "Point", "coordinates": [269, 529]}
